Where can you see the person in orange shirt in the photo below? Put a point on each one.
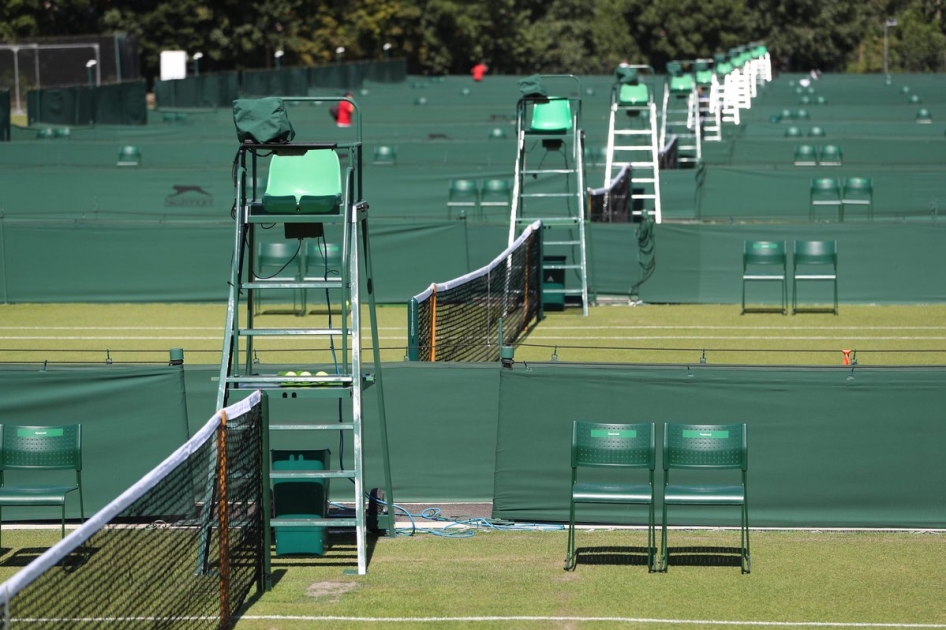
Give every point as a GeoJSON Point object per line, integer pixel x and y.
{"type": "Point", "coordinates": [478, 71]}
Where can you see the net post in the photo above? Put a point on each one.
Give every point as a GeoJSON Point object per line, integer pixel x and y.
{"type": "Point", "coordinates": [223, 518]}
{"type": "Point", "coordinates": [413, 351]}
{"type": "Point", "coordinates": [433, 325]}
{"type": "Point", "coordinates": [265, 582]}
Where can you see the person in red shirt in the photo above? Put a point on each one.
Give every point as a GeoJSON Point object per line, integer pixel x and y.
{"type": "Point", "coordinates": [478, 71]}
{"type": "Point", "coordinates": [345, 110]}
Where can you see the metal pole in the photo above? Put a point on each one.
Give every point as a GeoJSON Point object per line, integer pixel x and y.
{"type": "Point", "coordinates": [886, 72]}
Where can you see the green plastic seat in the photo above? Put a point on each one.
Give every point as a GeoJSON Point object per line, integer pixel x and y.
{"type": "Point", "coordinates": [43, 452]}
{"type": "Point", "coordinates": [462, 194]}
{"type": "Point", "coordinates": [555, 116]}
{"type": "Point", "coordinates": [831, 155]}
{"type": "Point", "coordinates": [824, 191]}
{"type": "Point", "coordinates": [858, 192]}
{"type": "Point", "coordinates": [45, 133]}
{"type": "Point", "coordinates": [129, 155]}
{"type": "Point", "coordinates": [816, 132]}
{"type": "Point", "coordinates": [304, 184]}
{"type": "Point", "coordinates": [496, 193]}
{"type": "Point", "coordinates": [497, 133]}
{"type": "Point", "coordinates": [814, 261]}
{"type": "Point", "coordinates": [806, 155]}
{"type": "Point", "coordinates": [618, 448]}
{"type": "Point", "coordinates": [724, 68]}
{"type": "Point", "coordinates": [924, 117]}
{"type": "Point", "coordinates": [682, 84]}
{"type": "Point", "coordinates": [385, 155]}
{"type": "Point", "coordinates": [704, 78]}
{"type": "Point", "coordinates": [709, 450]}
{"type": "Point", "coordinates": [792, 132]}
{"type": "Point", "coordinates": [633, 95]}
{"type": "Point", "coordinates": [765, 261]}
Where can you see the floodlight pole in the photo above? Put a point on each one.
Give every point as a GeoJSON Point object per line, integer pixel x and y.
{"type": "Point", "coordinates": [890, 22]}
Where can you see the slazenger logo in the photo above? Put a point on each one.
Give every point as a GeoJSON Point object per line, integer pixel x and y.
{"type": "Point", "coordinates": [189, 197]}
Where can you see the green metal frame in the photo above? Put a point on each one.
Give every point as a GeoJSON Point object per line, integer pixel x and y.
{"type": "Point", "coordinates": [41, 449]}
{"type": "Point", "coordinates": [620, 447]}
{"type": "Point", "coordinates": [237, 370]}
{"type": "Point", "coordinates": [707, 447]}
{"type": "Point", "coordinates": [756, 254]}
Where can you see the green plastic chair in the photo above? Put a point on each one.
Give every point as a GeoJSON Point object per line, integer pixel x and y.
{"type": "Point", "coordinates": [825, 191]}
{"type": "Point", "coordinates": [707, 448]}
{"type": "Point", "coordinates": [816, 132]}
{"type": "Point", "coordinates": [820, 259]}
{"type": "Point", "coordinates": [831, 155]}
{"type": "Point", "coordinates": [765, 261]}
{"type": "Point", "coordinates": [280, 261]}
{"type": "Point", "coordinates": [42, 451]}
{"type": "Point", "coordinates": [858, 191]}
{"type": "Point", "coordinates": [704, 78]}
{"type": "Point", "coordinates": [496, 193]}
{"type": "Point", "coordinates": [385, 155]}
{"type": "Point", "coordinates": [633, 95]}
{"type": "Point", "coordinates": [806, 155]}
{"type": "Point", "coordinates": [617, 447]}
{"type": "Point", "coordinates": [129, 155]}
{"type": "Point", "coordinates": [554, 116]}
{"type": "Point", "coordinates": [792, 132]}
{"type": "Point", "coordinates": [682, 84]}
{"type": "Point", "coordinates": [304, 184]}
{"type": "Point", "coordinates": [463, 193]}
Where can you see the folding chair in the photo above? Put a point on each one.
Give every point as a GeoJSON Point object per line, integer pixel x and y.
{"type": "Point", "coordinates": [617, 447]}
{"type": "Point", "coordinates": [821, 258]}
{"type": "Point", "coordinates": [758, 258]}
{"type": "Point", "coordinates": [41, 450]}
{"type": "Point", "coordinates": [706, 448]}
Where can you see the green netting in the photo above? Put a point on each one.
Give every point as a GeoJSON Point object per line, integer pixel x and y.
{"type": "Point", "coordinates": [827, 447]}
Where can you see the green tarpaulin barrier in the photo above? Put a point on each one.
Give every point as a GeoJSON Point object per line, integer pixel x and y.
{"type": "Point", "coordinates": [132, 418]}
{"type": "Point", "coordinates": [831, 447]}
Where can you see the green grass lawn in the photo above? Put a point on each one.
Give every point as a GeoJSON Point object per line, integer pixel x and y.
{"type": "Point", "coordinates": [877, 335]}
{"type": "Point", "coordinates": [504, 579]}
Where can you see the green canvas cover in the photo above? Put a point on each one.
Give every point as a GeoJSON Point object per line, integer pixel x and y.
{"type": "Point", "coordinates": [262, 120]}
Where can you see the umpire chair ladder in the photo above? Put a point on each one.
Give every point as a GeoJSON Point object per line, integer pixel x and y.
{"type": "Point", "coordinates": [320, 200]}
{"type": "Point", "coordinates": [553, 192]}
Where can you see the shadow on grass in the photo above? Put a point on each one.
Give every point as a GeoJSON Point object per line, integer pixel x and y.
{"type": "Point", "coordinates": [704, 556]}
{"type": "Point", "coordinates": [613, 555]}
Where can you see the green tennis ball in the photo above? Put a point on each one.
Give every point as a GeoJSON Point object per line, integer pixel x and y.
{"type": "Point", "coordinates": [305, 374]}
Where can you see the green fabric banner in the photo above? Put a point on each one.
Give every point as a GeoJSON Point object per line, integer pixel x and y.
{"type": "Point", "coordinates": [832, 447]}
{"type": "Point", "coordinates": [131, 418]}
{"type": "Point", "coordinates": [890, 263]}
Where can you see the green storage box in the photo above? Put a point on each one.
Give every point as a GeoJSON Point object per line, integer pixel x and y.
{"type": "Point", "coordinates": [300, 499]}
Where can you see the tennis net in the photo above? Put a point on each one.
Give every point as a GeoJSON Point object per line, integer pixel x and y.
{"type": "Point", "coordinates": [612, 204]}
{"type": "Point", "coordinates": [181, 548]}
{"type": "Point", "coordinates": [459, 320]}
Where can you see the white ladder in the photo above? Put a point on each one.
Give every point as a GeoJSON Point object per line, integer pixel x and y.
{"type": "Point", "coordinates": [632, 141]}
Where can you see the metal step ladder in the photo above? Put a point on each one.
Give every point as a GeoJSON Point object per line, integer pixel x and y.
{"type": "Point", "coordinates": [310, 195]}
{"type": "Point", "coordinates": [549, 184]}
{"type": "Point", "coordinates": [632, 138]}
{"type": "Point", "coordinates": [680, 113]}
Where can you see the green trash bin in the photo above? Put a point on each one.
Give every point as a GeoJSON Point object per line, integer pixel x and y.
{"type": "Point", "coordinates": [553, 283]}
{"type": "Point", "coordinates": [300, 499]}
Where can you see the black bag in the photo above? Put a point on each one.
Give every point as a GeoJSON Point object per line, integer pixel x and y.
{"type": "Point", "coordinates": [262, 120]}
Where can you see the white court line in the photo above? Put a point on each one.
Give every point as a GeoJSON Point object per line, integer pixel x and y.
{"type": "Point", "coordinates": [638, 620]}
{"type": "Point", "coordinates": [734, 338]}
{"type": "Point", "coordinates": [125, 338]}
{"type": "Point", "coordinates": [697, 327]}
{"type": "Point", "coordinates": [220, 328]}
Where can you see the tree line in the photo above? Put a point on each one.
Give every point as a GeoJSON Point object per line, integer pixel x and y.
{"type": "Point", "coordinates": [510, 36]}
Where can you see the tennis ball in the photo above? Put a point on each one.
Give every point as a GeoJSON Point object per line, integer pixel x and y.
{"type": "Point", "coordinates": [321, 373]}
{"type": "Point", "coordinates": [305, 374]}
{"type": "Point", "coordinates": [289, 374]}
